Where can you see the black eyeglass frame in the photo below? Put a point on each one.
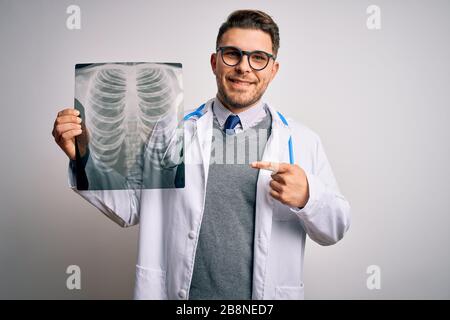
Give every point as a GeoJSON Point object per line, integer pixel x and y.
{"type": "Point", "coordinates": [247, 53]}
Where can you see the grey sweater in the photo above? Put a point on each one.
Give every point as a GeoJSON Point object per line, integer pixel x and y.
{"type": "Point", "coordinates": [223, 266]}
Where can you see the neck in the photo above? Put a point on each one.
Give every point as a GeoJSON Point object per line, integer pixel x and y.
{"type": "Point", "coordinates": [236, 110]}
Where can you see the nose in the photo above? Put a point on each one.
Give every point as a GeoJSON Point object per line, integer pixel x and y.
{"type": "Point", "coordinates": [243, 66]}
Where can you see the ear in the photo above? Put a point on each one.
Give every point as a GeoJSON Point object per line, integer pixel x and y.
{"type": "Point", "coordinates": [213, 62]}
{"type": "Point", "coordinates": [275, 68]}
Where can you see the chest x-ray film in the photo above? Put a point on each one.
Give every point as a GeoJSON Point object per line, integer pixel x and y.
{"type": "Point", "coordinates": [132, 126]}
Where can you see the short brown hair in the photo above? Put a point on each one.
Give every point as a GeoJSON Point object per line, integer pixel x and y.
{"type": "Point", "coordinates": [251, 19]}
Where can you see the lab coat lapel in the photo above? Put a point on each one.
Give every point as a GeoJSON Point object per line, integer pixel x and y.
{"type": "Point", "coordinates": [204, 136]}
{"type": "Point", "coordinates": [274, 151]}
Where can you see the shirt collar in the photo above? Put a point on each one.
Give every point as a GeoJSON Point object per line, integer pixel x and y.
{"type": "Point", "coordinates": [248, 117]}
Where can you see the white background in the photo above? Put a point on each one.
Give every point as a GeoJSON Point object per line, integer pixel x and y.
{"type": "Point", "coordinates": [379, 99]}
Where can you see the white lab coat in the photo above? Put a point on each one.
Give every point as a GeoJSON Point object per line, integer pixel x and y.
{"type": "Point", "coordinates": [170, 219]}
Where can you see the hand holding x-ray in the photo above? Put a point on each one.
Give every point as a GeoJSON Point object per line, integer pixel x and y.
{"type": "Point", "coordinates": [67, 126]}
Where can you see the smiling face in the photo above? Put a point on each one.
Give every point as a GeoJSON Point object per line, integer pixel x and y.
{"type": "Point", "coordinates": [240, 87]}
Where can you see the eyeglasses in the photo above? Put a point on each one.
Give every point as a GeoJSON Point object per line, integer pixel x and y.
{"type": "Point", "coordinates": [257, 60]}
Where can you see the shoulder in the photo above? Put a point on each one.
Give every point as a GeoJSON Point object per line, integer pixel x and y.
{"type": "Point", "coordinates": [189, 111]}
{"type": "Point", "coordinates": [300, 130]}
{"type": "Point", "coordinates": [199, 109]}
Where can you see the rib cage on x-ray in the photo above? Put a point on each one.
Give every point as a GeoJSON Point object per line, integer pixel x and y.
{"type": "Point", "coordinates": [124, 102]}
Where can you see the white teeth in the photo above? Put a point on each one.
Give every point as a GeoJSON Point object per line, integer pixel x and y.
{"type": "Point", "coordinates": [242, 82]}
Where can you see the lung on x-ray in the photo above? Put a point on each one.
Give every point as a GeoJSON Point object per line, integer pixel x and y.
{"type": "Point", "coordinates": [132, 126]}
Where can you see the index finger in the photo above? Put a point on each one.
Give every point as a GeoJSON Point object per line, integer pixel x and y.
{"type": "Point", "coordinates": [275, 167]}
{"type": "Point", "coordinates": [68, 112]}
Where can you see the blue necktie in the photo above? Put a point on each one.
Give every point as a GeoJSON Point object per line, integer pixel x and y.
{"type": "Point", "coordinates": [231, 123]}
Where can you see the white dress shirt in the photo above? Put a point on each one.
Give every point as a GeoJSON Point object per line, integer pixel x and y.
{"type": "Point", "coordinates": [249, 117]}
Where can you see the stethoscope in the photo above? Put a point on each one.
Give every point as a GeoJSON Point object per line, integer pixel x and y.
{"type": "Point", "coordinates": [198, 113]}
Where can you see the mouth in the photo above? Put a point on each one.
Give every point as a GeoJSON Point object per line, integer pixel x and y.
{"type": "Point", "coordinates": [240, 83]}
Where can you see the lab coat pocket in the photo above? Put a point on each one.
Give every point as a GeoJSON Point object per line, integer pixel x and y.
{"type": "Point", "coordinates": [150, 284]}
{"type": "Point", "coordinates": [290, 293]}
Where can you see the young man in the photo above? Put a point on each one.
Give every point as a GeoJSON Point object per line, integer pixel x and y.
{"type": "Point", "coordinates": [233, 231]}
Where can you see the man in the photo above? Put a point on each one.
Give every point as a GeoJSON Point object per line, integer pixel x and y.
{"type": "Point", "coordinates": [233, 231]}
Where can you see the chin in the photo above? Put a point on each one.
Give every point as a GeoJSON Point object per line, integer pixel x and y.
{"type": "Point", "coordinates": [239, 103]}
{"type": "Point", "coordinates": [240, 98]}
